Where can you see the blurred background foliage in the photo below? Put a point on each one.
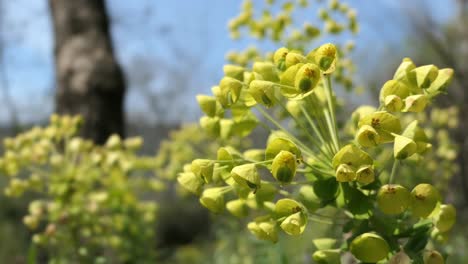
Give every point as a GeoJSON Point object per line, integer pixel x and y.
{"type": "Point", "coordinates": [170, 51]}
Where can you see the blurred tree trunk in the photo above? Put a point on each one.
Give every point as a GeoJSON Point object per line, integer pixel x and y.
{"type": "Point", "coordinates": [89, 80]}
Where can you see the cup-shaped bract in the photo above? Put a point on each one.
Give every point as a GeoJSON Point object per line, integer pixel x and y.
{"type": "Point", "coordinates": [369, 247]}
{"type": "Point", "coordinates": [393, 103]}
{"type": "Point", "coordinates": [424, 198]}
{"type": "Point", "coordinates": [213, 199]}
{"type": "Point", "coordinates": [425, 75]}
{"type": "Point", "coordinates": [403, 147]}
{"type": "Point", "coordinates": [294, 214]}
{"type": "Point", "coordinates": [416, 103]}
{"type": "Point", "coordinates": [210, 125]}
{"type": "Point", "coordinates": [191, 182]}
{"type": "Point", "coordinates": [365, 174]}
{"type": "Point", "coordinates": [345, 173]}
{"type": "Point", "coordinates": [367, 136]}
{"type": "Point", "coordinates": [203, 168]}
{"type": "Point", "coordinates": [307, 78]}
{"type": "Point", "coordinates": [231, 88]}
{"type": "Point", "coordinates": [209, 105]}
{"type": "Point", "coordinates": [384, 123]}
{"type": "Point", "coordinates": [277, 144]}
{"type": "Point", "coordinates": [446, 217]}
{"type": "Point", "coordinates": [237, 208]}
{"type": "Point", "coordinates": [264, 92]}
{"type": "Point", "coordinates": [246, 175]}
{"type": "Point", "coordinates": [393, 87]}
{"type": "Point", "coordinates": [352, 156]}
{"type": "Point", "coordinates": [327, 256]}
{"type": "Point", "coordinates": [393, 199]}
{"type": "Point", "coordinates": [406, 66]}
{"type": "Point", "coordinates": [293, 58]}
{"type": "Point", "coordinates": [294, 224]}
{"type": "Point", "coordinates": [326, 57]}
{"type": "Point", "coordinates": [234, 71]}
{"type": "Point", "coordinates": [267, 70]}
{"type": "Point", "coordinates": [265, 230]}
{"type": "Point", "coordinates": [433, 257]}
{"type": "Point", "coordinates": [439, 85]}
{"type": "Point", "coordinates": [254, 154]}
{"type": "Point", "coordinates": [287, 80]}
{"type": "Point", "coordinates": [284, 166]}
{"type": "Point", "coordinates": [417, 134]}
{"type": "Point", "coordinates": [279, 57]}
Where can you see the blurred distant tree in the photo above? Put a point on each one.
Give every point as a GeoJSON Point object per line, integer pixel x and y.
{"type": "Point", "coordinates": [447, 45]}
{"type": "Point", "coordinates": [89, 80]}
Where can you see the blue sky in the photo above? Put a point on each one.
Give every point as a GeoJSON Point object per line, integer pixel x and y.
{"type": "Point", "coordinates": [195, 28]}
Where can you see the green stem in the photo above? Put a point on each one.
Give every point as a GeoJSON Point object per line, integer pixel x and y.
{"type": "Point", "coordinates": [305, 149]}
{"type": "Point", "coordinates": [394, 168]}
{"type": "Point", "coordinates": [315, 129]}
{"type": "Point", "coordinates": [309, 136]}
{"type": "Point", "coordinates": [331, 106]}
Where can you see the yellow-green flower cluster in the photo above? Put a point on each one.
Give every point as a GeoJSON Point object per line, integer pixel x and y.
{"type": "Point", "coordinates": [90, 196]}
{"type": "Point", "coordinates": [301, 172]}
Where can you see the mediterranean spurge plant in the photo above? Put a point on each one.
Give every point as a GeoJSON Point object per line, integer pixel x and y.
{"type": "Point", "coordinates": [303, 172]}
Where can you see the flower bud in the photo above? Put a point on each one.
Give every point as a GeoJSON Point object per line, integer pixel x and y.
{"type": "Point", "coordinates": [254, 154]}
{"type": "Point", "coordinates": [403, 70]}
{"type": "Point", "coordinates": [393, 87]}
{"type": "Point", "coordinates": [326, 56]}
{"type": "Point", "coordinates": [384, 123]}
{"type": "Point", "coordinates": [237, 208]}
{"type": "Point", "coordinates": [191, 182]}
{"type": "Point", "coordinates": [203, 168]}
{"type": "Point", "coordinates": [293, 58]}
{"type": "Point", "coordinates": [246, 175]}
{"type": "Point", "coordinates": [369, 247]}
{"type": "Point", "coordinates": [279, 57]}
{"type": "Point", "coordinates": [264, 230]}
{"type": "Point", "coordinates": [234, 71]}
{"type": "Point", "coordinates": [393, 199]}
{"type": "Point", "coordinates": [327, 256]}
{"type": "Point", "coordinates": [393, 103]}
{"type": "Point", "coordinates": [213, 199]}
{"type": "Point", "coordinates": [211, 125]}
{"type": "Point", "coordinates": [351, 156]}
{"type": "Point", "coordinates": [284, 167]}
{"type": "Point", "coordinates": [365, 174]}
{"type": "Point", "coordinates": [307, 78]}
{"type": "Point", "coordinates": [294, 224]}
{"type": "Point", "coordinates": [226, 128]}
{"type": "Point", "coordinates": [439, 85]}
{"type": "Point", "coordinates": [208, 104]}
{"type": "Point", "coordinates": [263, 92]}
{"type": "Point", "coordinates": [367, 136]}
{"type": "Point", "coordinates": [345, 173]}
{"type": "Point", "coordinates": [433, 257]}
{"type": "Point", "coordinates": [415, 103]}
{"type": "Point", "coordinates": [113, 142]}
{"type": "Point", "coordinates": [403, 147]}
{"type": "Point", "coordinates": [277, 144]}
{"type": "Point", "coordinates": [424, 198]}
{"type": "Point", "coordinates": [231, 88]}
{"type": "Point", "coordinates": [425, 75]}
{"type": "Point", "coordinates": [133, 143]}
{"type": "Point", "coordinates": [287, 79]}
{"type": "Point", "coordinates": [446, 217]}
{"type": "Point", "coordinates": [267, 70]}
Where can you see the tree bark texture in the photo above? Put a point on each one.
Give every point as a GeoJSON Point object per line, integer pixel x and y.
{"type": "Point", "coordinates": [89, 80]}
